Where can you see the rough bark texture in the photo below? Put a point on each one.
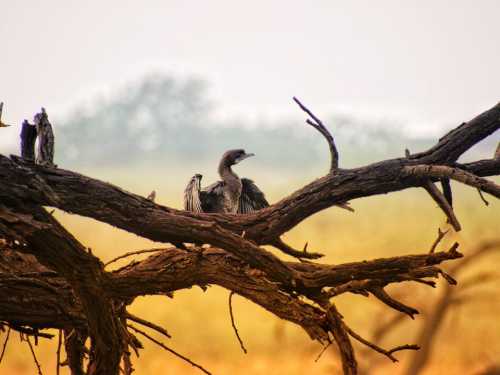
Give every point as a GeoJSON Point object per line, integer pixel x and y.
{"type": "Point", "coordinates": [49, 280]}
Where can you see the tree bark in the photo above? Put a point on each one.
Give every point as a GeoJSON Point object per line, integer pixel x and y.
{"type": "Point", "coordinates": [74, 292]}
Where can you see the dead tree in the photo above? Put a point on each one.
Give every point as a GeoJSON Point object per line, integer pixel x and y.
{"type": "Point", "coordinates": [50, 280]}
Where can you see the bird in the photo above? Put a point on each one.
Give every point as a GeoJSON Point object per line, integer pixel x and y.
{"type": "Point", "coordinates": [2, 125]}
{"type": "Point", "coordinates": [230, 195]}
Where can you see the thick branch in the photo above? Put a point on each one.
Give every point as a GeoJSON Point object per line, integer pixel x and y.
{"type": "Point", "coordinates": [442, 171]}
{"type": "Point", "coordinates": [457, 141]}
{"type": "Point", "coordinates": [252, 271]}
{"type": "Point", "coordinates": [54, 247]}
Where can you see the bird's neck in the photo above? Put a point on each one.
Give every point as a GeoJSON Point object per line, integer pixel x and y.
{"type": "Point", "coordinates": [226, 173]}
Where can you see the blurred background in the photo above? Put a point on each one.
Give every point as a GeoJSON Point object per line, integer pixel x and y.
{"type": "Point", "coordinates": [144, 95]}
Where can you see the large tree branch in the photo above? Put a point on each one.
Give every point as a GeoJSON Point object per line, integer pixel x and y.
{"type": "Point", "coordinates": [72, 192]}
{"type": "Point", "coordinates": [174, 269]}
{"type": "Point", "coordinates": [57, 249]}
{"type": "Point", "coordinates": [242, 266]}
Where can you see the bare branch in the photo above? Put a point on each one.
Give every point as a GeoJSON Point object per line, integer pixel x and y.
{"type": "Point", "coordinates": [92, 302]}
{"type": "Point", "coordinates": [58, 352]}
{"type": "Point", "coordinates": [5, 345]}
{"type": "Point", "coordinates": [442, 203]}
{"type": "Point", "coordinates": [322, 351]}
{"type": "Point", "coordinates": [445, 184]}
{"type": "Point", "coordinates": [383, 296]}
{"type": "Point", "coordinates": [39, 368]}
{"type": "Point", "coordinates": [160, 344]}
{"type": "Point", "coordinates": [482, 197]}
{"type": "Point", "coordinates": [317, 124]}
{"type": "Point", "coordinates": [295, 253]}
{"type": "Point", "coordinates": [341, 336]}
{"type": "Point", "coordinates": [387, 353]}
{"type": "Point", "coordinates": [234, 325]}
{"type": "Point", "coordinates": [458, 140]}
{"type": "Point", "coordinates": [146, 323]}
{"type": "Point", "coordinates": [442, 171]}
{"type": "Point", "coordinates": [74, 343]}
{"type": "Point", "coordinates": [440, 236]}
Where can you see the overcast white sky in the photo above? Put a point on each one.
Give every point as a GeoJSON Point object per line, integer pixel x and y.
{"type": "Point", "coordinates": [434, 63]}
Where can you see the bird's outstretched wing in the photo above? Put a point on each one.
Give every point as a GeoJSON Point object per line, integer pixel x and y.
{"type": "Point", "coordinates": [212, 197]}
{"type": "Point", "coordinates": [192, 194]}
{"type": "Point", "coordinates": [252, 198]}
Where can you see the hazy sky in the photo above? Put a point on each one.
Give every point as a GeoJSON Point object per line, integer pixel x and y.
{"type": "Point", "coordinates": [434, 63]}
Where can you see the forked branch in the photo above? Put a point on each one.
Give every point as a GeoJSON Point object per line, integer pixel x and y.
{"type": "Point", "coordinates": [87, 301]}
{"type": "Point", "coordinates": [317, 124]}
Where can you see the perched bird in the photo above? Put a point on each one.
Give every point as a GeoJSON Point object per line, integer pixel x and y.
{"type": "Point", "coordinates": [2, 125]}
{"type": "Point", "coordinates": [231, 195]}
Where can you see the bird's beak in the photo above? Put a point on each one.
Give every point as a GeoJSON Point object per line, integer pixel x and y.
{"type": "Point", "coordinates": [243, 157]}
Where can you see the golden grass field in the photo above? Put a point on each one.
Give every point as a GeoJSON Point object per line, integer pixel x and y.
{"type": "Point", "coordinates": [383, 226]}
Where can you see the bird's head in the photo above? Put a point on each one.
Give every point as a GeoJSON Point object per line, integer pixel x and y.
{"type": "Point", "coordinates": [233, 157]}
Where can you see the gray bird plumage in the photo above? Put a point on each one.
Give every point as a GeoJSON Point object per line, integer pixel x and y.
{"type": "Point", "coordinates": [230, 195]}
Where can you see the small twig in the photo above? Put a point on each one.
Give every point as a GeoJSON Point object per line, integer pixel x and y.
{"type": "Point", "coordinates": [318, 125]}
{"type": "Point", "coordinates": [482, 197]}
{"type": "Point", "coordinates": [159, 343]}
{"type": "Point", "coordinates": [322, 351]}
{"type": "Point", "coordinates": [345, 206]}
{"type": "Point", "coordinates": [440, 236]}
{"type": "Point", "coordinates": [133, 253]}
{"type": "Point", "coordinates": [58, 353]}
{"type": "Point", "coordinates": [34, 356]}
{"type": "Point", "coordinates": [146, 323]}
{"type": "Point", "coordinates": [448, 278]}
{"type": "Point", "coordinates": [5, 345]}
{"type": "Point", "coordinates": [442, 202]}
{"type": "Point", "coordinates": [279, 244]}
{"type": "Point", "coordinates": [382, 295]}
{"type": "Point", "coordinates": [234, 325]}
{"type": "Point", "coordinates": [32, 332]}
{"type": "Point", "coordinates": [378, 349]}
